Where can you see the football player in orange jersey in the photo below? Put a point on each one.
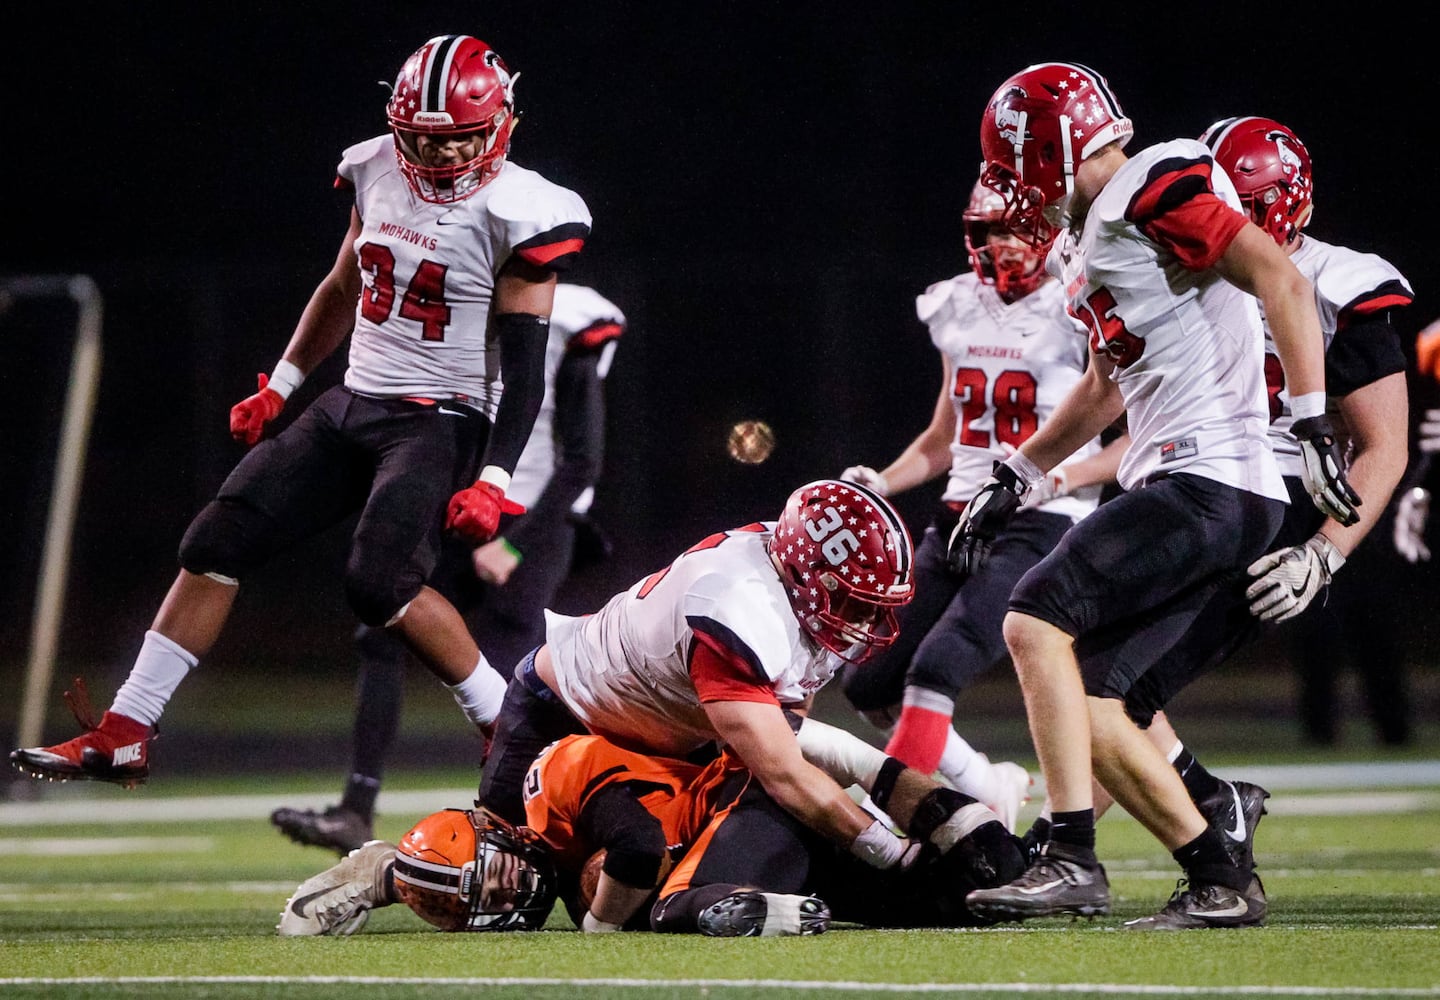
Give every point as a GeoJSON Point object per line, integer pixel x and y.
{"type": "Point", "coordinates": [687, 848]}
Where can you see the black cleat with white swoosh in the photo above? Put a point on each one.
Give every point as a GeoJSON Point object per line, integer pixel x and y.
{"type": "Point", "coordinates": [1062, 880]}
{"type": "Point", "coordinates": [1234, 812]}
{"type": "Point", "coordinates": [1194, 907]}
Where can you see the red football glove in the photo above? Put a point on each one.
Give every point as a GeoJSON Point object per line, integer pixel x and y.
{"type": "Point", "coordinates": [249, 416]}
{"type": "Point", "coordinates": [474, 513]}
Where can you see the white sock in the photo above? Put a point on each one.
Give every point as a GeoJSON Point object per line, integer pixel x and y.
{"type": "Point", "coordinates": [159, 668]}
{"type": "Point", "coordinates": [967, 768]}
{"type": "Point", "coordinates": [479, 695]}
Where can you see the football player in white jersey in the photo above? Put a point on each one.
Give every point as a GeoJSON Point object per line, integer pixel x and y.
{"type": "Point", "coordinates": [1009, 354]}
{"type": "Point", "coordinates": [728, 643]}
{"type": "Point", "coordinates": [1157, 258]}
{"type": "Point", "coordinates": [1356, 295]}
{"type": "Point", "coordinates": [445, 276]}
{"type": "Point", "coordinates": [518, 571]}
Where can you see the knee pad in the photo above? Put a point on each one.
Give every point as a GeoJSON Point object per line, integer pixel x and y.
{"type": "Point", "coordinates": [377, 593]}
{"type": "Point", "coordinates": [229, 538]}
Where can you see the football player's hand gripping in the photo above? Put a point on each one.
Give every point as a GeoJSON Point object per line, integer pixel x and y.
{"type": "Point", "coordinates": [983, 518]}
{"type": "Point", "coordinates": [474, 512]}
{"type": "Point", "coordinates": [1325, 469]}
{"type": "Point", "coordinates": [1287, 580]}
{"type": "Point", "coordinates": [868, 477]}
{"type": "Point", "coordinates": [249, 417]}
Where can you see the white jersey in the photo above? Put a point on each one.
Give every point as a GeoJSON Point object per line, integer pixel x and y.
{"type": "Point", "coordinates": [1188, 345]}
{"type": "Point", "coordinates": [1010, 364]}
{"type": "Point", "coordinates": [624, 670]}
{"type": "Point", "coordinates": [1347, 282]}
{"type": "Point", "coordinates": [581, 318]}
{"type": "Point", "coordinates": [429, 273]}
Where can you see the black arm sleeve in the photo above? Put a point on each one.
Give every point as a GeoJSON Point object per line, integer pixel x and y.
{"type": "Point", "coordinates": [522, 366]}
{"type": "Point", "coordinates": [1367, 350]}
{"type": "Point", "coordinates": [633, 839]}
{"type": "Point", "coordinates": [580, 439]}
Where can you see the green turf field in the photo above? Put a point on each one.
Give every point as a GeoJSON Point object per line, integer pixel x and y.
{"type": "Point", "coordinates": [103, 901]}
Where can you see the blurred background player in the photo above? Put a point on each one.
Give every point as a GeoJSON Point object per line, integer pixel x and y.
{"type": "Point", "coordinates": [1156, 256]}
{"type": "Point", "coordinates": [1009, 353]}
{"type": "Point", "coordinates": [445, 276]}
{"type": "Point", "coordinates": [503, 587]}
{"type": "Point", "coordinates": [1412, 507]}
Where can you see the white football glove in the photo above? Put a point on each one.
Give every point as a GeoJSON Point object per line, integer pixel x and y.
{"type": "Point", "coordinates": [1430, 431]}
{"type": "Point", "coordinates": [1056, 484]}
{"type": "Point", "coordinates": [1411, 515]}
{"type": "Point", "coordinates": [1287, 580]}
{"type": "Point", "coordinates": [866, 476]}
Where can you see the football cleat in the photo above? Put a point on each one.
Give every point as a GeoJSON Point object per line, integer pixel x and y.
{"type": "Point", "coordinates": [1234, 812]}
{"type": "Point", "coordinates": [1062, 880]}
{"type": "Point", "coordinates": [338, 901]}
{"type": "Point", "coordinates": [1192, 907]}
{"type": "Point", "coordinates": [340, 829]}
{"type": "Point", "coordinates": [116, 749]}
{"type": "Point", "coordinates": [764, 914]}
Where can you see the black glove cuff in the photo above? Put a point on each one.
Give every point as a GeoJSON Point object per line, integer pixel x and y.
{"type": "Point", "coordinates": [1007, 478]}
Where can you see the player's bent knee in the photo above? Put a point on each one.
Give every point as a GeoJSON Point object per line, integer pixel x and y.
{"type": "Point", "coordinates": [226, 539]}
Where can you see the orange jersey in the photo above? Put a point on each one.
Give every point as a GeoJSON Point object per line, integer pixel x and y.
{"type": "Point", "coordinates": [684, 797]}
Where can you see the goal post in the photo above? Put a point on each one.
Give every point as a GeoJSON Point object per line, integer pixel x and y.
{"type": "Point", "coordinates": [65, 492]}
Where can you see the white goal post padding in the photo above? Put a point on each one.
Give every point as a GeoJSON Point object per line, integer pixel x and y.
{"type": "Point", "coordinates": [65, 493]}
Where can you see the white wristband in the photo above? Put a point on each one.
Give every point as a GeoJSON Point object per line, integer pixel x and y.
{"type": "Point", "coordinates": [495, 476]}
{"type": "Point", "coordinates": [286, 378]}
{"type": "Point", "coordinates": [1028, 472]}
{"type": "Point", "coordinates": [878, 846]}
{"type": "Point", "coordinates": [1310, 404]}
{"type": "Point", "coordinates": [592, 924]}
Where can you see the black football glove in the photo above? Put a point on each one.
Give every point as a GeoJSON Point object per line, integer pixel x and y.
{"type": "Point", "coordinates": [984, 516]}
{"type": "Point", "coordinates": [1325, 469]}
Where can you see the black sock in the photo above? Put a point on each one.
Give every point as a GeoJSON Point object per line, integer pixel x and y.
{"type": "Point", "coordinates": [1074, 828]}
{"type": "Point", "coordinates": [1206, 863]}
{"type": "Point", "coordinates": [359, 797]}
{"type": "Point", "coordinates": [1199, 782]}
{"type": "Point", "coordinates": [679, 912]}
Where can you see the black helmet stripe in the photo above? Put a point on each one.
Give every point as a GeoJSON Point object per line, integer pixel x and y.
{"type": "Point", "coordinates": [433, 96]}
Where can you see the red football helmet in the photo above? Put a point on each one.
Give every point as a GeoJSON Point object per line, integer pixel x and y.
{"type": "Point", "coordinates": [1040, 124]}
{"type": "Point", "coordinates": [470, 870]}
{"type": "Point", "coordinates": [453, 85]}
{"type": "Point", "coordinates": [1271, 170]}
{"type": "Point", "coordinates": [1014, 267]}
{"type": "Point", "coordinates": [847, 562]}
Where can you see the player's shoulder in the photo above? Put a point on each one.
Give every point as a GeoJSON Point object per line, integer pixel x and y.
{"type": "Point", "coordinates": [578, 308]}
{"type": "Point", "coordinates": [377, 152]}
{"type": "Point", "coordinates": [519, 195]}
{"type": "Point", "coordinates": [947, 296]}
{"type": "Point", "coordinates": [1341, 275]}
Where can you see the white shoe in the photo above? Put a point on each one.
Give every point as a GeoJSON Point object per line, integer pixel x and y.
{"type": "Point", "coordinates": [338, 901]}
{"type": "Point", "coordinates": [1012, 790]}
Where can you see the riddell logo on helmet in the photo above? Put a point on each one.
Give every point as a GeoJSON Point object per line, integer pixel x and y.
{"type": "Point", "coordinates": [433, 118]}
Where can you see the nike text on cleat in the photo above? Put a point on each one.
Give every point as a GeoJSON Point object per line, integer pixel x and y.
{"type": "Point", "coordinates": [1234, 812]}
{"type": "Point", "coordinates": [1195, 907]}
{"type": "Point", "coordinates": [764, 914]}
{"type": "Point", "coordinates": [116, 750]}
{"type": "Point", "coordinates": [1062, 880]}
{"type": "Point", "coordinates": [340, 829]}
{"type": "Point", "coordinates": [338, 901]}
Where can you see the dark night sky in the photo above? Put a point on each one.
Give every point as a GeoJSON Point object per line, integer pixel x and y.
{"type": "Point", "coordinates": [772, 183]}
